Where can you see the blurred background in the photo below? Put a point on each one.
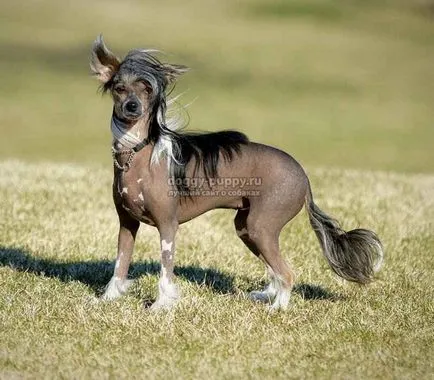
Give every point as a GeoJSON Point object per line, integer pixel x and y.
{"type": "Point", "coordinates": [342, 83]}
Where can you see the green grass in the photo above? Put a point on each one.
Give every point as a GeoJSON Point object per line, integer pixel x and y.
{"type": "Point", "coordinates": [346, 86]}
{"type": "Point", "coordinates": [58, 237]}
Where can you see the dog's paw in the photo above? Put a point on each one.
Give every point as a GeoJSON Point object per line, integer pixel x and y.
{"type": "Point", "coordinates": [261, 296]}
{"type": "Point", "coordinates": [116, 288]}
{"type": "Point", "coordinates": [163, 304]}
{"type": "Point", "coordinates": [281, 301]}
{"type": "Point", "coordinates": [266, 296]}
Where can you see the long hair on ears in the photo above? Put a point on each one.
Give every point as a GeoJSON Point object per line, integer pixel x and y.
{"type": "Point", "coordinates": [103, 63]}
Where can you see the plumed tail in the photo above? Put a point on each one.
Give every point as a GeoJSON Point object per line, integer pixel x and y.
{"type": "Point", "coordinates": [354, 255]}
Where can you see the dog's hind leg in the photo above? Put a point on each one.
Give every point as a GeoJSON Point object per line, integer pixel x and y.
{"type": "Point", "coordinates": [262, 238]}
{"type": "Point", "coordinates": [168, 293]}
{"type": "Point", "coordinates": [281, 275]}
{"type": "Point", "coordinates": [119, 283]}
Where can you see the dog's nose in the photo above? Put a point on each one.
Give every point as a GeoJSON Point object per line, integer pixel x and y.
{"type": "Point", "coordinates": [131, 106]}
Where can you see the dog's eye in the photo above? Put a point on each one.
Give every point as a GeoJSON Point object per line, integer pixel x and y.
{"type": "Point", "coordinates": [145, 85]}
{"type": "Point", "coordinates": [120, 89]}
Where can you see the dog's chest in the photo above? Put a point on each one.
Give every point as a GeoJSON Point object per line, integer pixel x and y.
{"type": "Point", "coordinates": [132, 194]}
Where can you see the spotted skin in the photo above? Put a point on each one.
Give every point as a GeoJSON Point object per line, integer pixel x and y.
{"type": "Point", "coordinates": [143, 193]}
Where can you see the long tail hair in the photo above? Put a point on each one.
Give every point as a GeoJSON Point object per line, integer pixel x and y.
{"type": "Point", "coordinates": [354, 255]}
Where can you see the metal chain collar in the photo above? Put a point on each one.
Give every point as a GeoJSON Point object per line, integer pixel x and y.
{"type": "Point", "coordinates": [127, 164]}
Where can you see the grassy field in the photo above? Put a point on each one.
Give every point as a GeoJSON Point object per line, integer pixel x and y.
{"type": "Point", "coordinates": [346, 86]}
{"type": "Point", "coordinates": [58, 237]}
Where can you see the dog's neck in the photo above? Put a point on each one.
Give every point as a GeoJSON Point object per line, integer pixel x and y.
{"type": "Point", "coordinates": [127, 136]}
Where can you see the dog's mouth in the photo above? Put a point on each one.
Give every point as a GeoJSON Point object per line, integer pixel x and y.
{"type": "Point", "coordinates": [126, 121]}
{"type": "Point", "coordinates": [129, 117]}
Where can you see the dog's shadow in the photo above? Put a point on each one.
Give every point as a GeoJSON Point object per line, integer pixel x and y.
{"type": "Point", "coordinates": [96, 274]}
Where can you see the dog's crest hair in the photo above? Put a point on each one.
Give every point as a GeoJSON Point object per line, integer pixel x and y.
{"type": "Point", "coordinates": [205, 150]}
{"type": "Point", "coordinates": [180, 148]}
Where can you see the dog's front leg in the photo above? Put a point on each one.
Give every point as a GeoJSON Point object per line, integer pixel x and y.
{"type": "Point", "coordinates": [119, 283]}
{"type": "Point", "coordinates": [168, 293]}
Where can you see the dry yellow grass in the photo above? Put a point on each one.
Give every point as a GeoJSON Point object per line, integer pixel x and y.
{"type": "Point", "coordinates": [58, 235]}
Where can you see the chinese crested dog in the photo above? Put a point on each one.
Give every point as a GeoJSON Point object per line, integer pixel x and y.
{"type": "Point", "coordinates": [164, 177]}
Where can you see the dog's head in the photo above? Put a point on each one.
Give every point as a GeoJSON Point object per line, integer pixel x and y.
{"type": "Point", "coordinates": [137, 84]}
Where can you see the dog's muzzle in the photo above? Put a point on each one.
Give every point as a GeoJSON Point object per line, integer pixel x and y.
{"type": "Point", "coordinates": [132, 108]}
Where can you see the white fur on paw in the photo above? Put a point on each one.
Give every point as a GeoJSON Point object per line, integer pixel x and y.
{"type": "Point", "coordinates": [164, 303]}
{"type": "Point", "coordinates": [266, 295]}
{"type": "Point", "coordinates": [281, 302]}
{"type": "Point", "coordinates": [168, 295]}
{"type": "Point", "coordinates": [116, 288]}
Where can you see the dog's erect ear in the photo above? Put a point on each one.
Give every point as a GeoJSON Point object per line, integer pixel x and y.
{"type": "Point", "coordinates": [172, 71]}
{"type": "Point", "coordinates": [103, 62]}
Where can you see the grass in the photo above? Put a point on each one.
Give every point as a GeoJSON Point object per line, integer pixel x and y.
{"type": "Point", "coordinates": [340, 83]}
{"type": "Point", "coordinates": [58, 237]}
{"type": "Point", "coordinates": [344, 85]}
